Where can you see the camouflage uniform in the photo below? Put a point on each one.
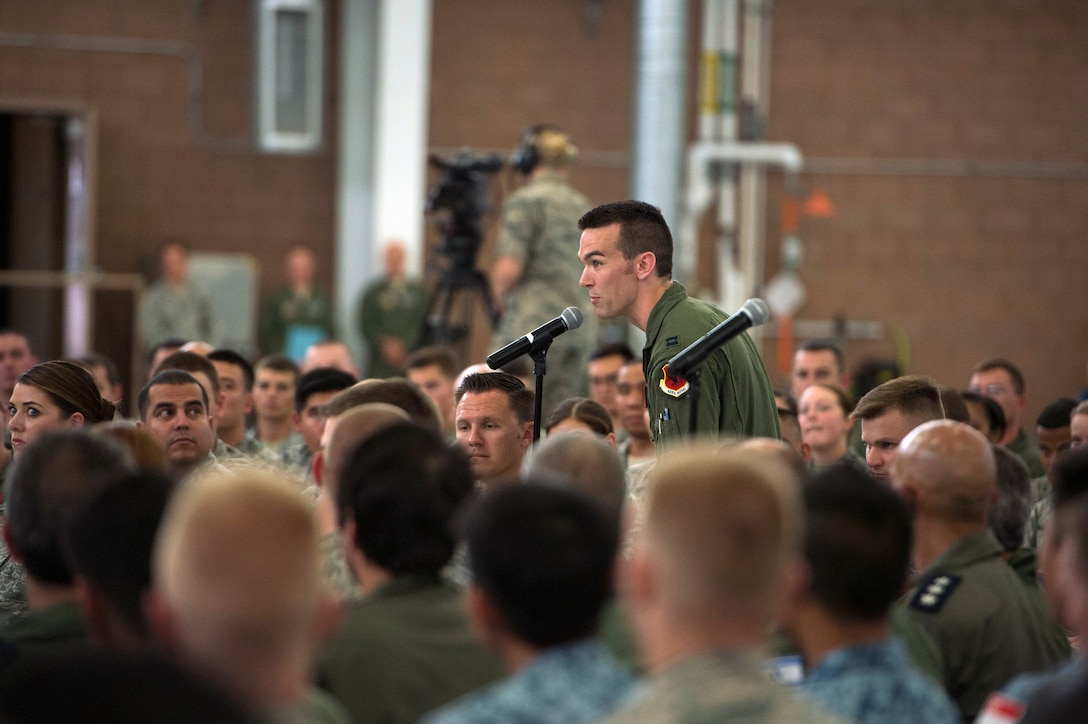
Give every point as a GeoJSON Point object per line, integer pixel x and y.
{"type": "Point", "coordinates": [726, 686]}
{"type": "Point", "coordinates": [540, 229]}
{"type": "Point", "coordinates": [187, 313]}
{"type": "Point", "coordinates": [391, 308]}
{"type": "Point", "coordinates": [1040, 514]}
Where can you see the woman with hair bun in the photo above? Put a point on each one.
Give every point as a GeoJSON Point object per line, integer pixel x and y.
{"type": "Point", "coordinates": [581, 414]}
{"type": "Point", "coordinates": [51, 396]}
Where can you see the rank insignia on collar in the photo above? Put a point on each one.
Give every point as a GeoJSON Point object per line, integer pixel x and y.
{"type": "Point", "coordinates": [934, 593]}
{"type": "Point", "coordinates": [672, 385]}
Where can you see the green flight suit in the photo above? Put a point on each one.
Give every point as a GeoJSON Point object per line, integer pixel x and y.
{"type": "Point", "coordinates": [285, 310]}
{"type": "Point", "coordinates": [391, 308]}
{"type": "Point", "coordinates": [1026, 449]}
{"type": "Point", "coordinates": [404, 650]}
{"type": "Point", "coordinates": [737, 398]}
{"type": "Point", "coordinates": [982, 619]}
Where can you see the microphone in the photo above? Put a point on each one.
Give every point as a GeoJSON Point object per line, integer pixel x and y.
{"type": "Point", "coordinates": [571, 318]}
{"type": "Point", "coordinates": [752, 314]}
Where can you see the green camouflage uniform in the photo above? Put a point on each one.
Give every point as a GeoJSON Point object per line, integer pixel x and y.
{"type": "Point", "coordinates": [540, 229]}
{"type": "Point", "coordinates": [726, 686]}
{"type": "Point", "coordinates": [391, 308]}
{"type": "Point", "coordinates": [982, 619]}
{"type": "Point", "coordinates": [737, 398]}
{"type": "Point", "coordinates": [1037, 519]}
{"type": "Point", "coordinates": [284, 309]}
{"type": "Point", "coordinates": [167, 312]}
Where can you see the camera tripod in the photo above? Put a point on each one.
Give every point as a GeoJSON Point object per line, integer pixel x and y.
{"type": "Point", "coordinates": [453, 306]}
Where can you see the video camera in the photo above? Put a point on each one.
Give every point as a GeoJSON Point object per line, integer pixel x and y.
{"type": "Point", "coordinates": [462, 191]}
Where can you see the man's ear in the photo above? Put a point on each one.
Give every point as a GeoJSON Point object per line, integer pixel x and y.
{"type": "Point", "coordinates": [247, 407]}
{"type": "Point", "coordinates": [317, 467]}
{"type": "Point", "coordinates": [645, 265]}
{"type": "Point", "coordinates": [527, 435]}
{"type": "Point", "coordinates": [296, 419]}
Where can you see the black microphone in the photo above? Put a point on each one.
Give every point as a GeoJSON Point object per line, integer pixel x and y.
{"type": "Point", "coordinates": [752, 314]}
{"type": "Point", "coordinates": [571, 318]}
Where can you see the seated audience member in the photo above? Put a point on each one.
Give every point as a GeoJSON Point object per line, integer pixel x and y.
{"type": "Point", "coordinates": [637, 448]}
{"type": "Point", "coordinates": [236, 403]}
{"type": "Point", "coordinates": [160, 351]}
{"type": "Point", "coordinates": [720, 546]}
{"type": "Point", "coordinates": [434, 369]}
{"type": "Point", "coordinates": [580, 414]}
{"type": "Point", "coordinates": [602, 373]}
{"type": "Point", "coordinates": [790, 424]}
{"type": "Point", "coordinates": [1002, 381]}
{"type": "Point", "coordinates": [891, 410]}
{"type": "Point", "coordinates": [405, 648]}
{"type": "Point", "coordinates": [237, 591]}
{"type": "Point", "coordinates": [52, 478]}
{"type": "Point", "coordinates": [109, 549]}
{"type": "Point", "coordinates": [16, 358]}
{"type": "Point", "coordinates": [174, 410]}
{"type": "Point", "coordinates": [818, 361]}
{"type": "Point", "coordinates": [341, 436]}
{"type": "Point", "coordinates": [1040, 512]}
{"type": "Point", "coordinates": [494, 426]}
{"type": "Point", "coordinates": [314, 389]}
{"type": "Point", "coordinates": [1053, 434]}
{"type": "Point", "coordinates": [395, 391]}
{"type": "Point", "coordinates": [329, 353]}
{"type": "Point", "coordinates": [986, 415]}
{"type": "Point", "coordinates": [276, 378]}
{"type": "Point", "coordinates": [824, 414]}
{"type": "Point", "coordinates": [205, 372]}
{"type": "Point", "coordinates": [590, 466]}
{"type": "Point", "coordinates": [966, 597]}
{"type": "Point", "coordinates": [1070, 479]}
{"type": "Point", "coordinates": [541, 561]}
{"type": "Point", "coordinates": [857, 546]}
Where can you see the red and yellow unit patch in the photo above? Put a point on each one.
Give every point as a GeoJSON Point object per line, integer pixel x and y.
{"type": "Point", "coordinates": [672, 385]}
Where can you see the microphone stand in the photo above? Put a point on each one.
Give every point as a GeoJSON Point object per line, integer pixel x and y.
{"type": "Point", "coordinates": [695, 379]}
{"type": "Point", "coordinates": [539, 353]}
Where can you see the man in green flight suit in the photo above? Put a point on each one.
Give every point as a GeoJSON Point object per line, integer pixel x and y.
{"type": "Point", "coordinates": [298, 313]}
{"type": "Point", "coordinates": [391, 315]}
{"type": "Point", "coordinates": [626, 249]}
{"type": "Point", "coordinates": [966, 597]}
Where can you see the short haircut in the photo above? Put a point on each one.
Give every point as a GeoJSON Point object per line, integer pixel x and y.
{"type": "Point", "coordinates": [51, 479]}
{"type": "Point", "coordinates": [613, 349]}
{"type": "Point", "coordinates": [97, 359]}
{"type": "Point", "coordinates": [585, 463]}
{"type": "Point", "coordinates": [438, 355]}
{"type": "Point", "coordinates": [857, 542]}
{"type": "Point", "coordinates": [322, 379]}
{"type": "Point", "coordinates": [1081, 409]}
{"type": "Point", "coordinates": [994, 414]}
{"type": "Point", "coordinates": [544, 556]}
{"type": "Point", "coordinates": [954, 406]}
{"type": "Point", "coordinates": [642, 229]}
{"type": "Point", "coordinates": [170, 343]}
{"type": "Point", "coordinates": [72, 389]}
{"type": "Point", "coordinates": [914, 396]}
{"type": "Point", "coordinates": [520, 397]}
{"type": "Point", "coordinates": [111, 538]}
{"type": "Point", "coordinates": [168, 377]}
{"type": "Point", "coordinates": [825, 345]}
{"type": "Point", "coordinates": [1069, 476]}
{"type": "Point", "coordinates": [1009, 513]}
{"type": "Point", "coordinates": [724, 525]}
{"type": "Point", "coordinates": [403, 486]}
{"type": "Point", "coordinates": [277, 363]}
{"type": "Point", "coordinates": [395, 391]}
{"type": "Point", "coordinates": [1056, 415]}
{"type": "Point", "coordinates": [584, 410]}
{"type": "Point", "coordinates": [1000, 363]}
{"type": "Point", "coordinates": [229, 356]}
{"type": "Point", "coordinates": [192, 362]}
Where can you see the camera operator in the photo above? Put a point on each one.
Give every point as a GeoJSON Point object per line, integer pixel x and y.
{"type": "Point", "coordinates": [536, 269]}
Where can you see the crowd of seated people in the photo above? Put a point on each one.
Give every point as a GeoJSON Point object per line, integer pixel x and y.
{"type": "Point", "coordinates": [281, 545]}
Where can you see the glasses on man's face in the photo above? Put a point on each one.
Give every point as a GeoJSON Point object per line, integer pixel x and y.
{"type": "Point", "coordinates": [991, 390]}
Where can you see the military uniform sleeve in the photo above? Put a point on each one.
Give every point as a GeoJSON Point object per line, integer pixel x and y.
{"type": "Point", "coordinates": [522, 223]}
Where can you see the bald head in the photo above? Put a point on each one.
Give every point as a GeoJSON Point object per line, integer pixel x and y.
{"type": "Point", "coordinates": [720, 529]}
{"type": "Point", "coordinates": [588, 463]}
{"type": "Point", "coordinates": [237, 574]}
{"type": "Point", "coordinates": [946, 469]}
{"type": "Point", "coordinates": [351, 428]}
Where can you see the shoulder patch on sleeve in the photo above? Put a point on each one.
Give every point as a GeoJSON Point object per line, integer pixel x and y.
{"type": "Point", "coordinates": [672, 385]}
{"type": "Point", "coordinates": [934, 593]}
